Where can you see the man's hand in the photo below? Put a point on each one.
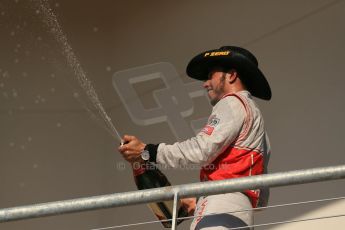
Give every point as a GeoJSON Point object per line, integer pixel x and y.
{"type": "Point", "coordinates": [131, 149]}
{"type": "Point", "coordinates": [189, 204]}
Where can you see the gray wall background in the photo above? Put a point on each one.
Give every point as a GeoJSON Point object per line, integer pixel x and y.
{"type": "Point", "coordinates": [52, 149]}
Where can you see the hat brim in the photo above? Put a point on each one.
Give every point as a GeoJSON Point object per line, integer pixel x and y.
{"type": "Point", "coordinates": [252, 77]}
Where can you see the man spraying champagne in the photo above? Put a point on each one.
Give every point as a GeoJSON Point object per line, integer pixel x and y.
{"type": "Point", "coordinates": [232, 144]}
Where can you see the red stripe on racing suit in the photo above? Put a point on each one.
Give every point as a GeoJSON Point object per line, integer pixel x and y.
{"type": "Point", "coordinates": [235, 163]}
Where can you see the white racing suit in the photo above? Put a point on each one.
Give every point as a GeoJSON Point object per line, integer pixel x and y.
{"type": "Point", "coordinates": [232, 144]}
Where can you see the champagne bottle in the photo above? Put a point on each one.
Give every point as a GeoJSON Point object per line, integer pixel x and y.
{"type": "Point", "coordinates": [147, 176]}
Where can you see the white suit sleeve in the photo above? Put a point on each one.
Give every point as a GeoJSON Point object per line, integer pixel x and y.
{"type": "Point", "coordinates": [223, 127]}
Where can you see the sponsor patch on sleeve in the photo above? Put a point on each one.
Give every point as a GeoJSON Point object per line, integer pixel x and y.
{"type": "Point", "coordinates": [212, 123]}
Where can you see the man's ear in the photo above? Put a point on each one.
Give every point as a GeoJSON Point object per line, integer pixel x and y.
{"type": "Point", "coordinates": [231, 76]}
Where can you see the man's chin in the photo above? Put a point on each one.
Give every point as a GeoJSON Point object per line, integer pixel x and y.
{"type": "Point", "coordinates": [213, 101]}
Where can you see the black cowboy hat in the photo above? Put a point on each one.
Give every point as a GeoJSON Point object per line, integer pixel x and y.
{"type": "Point", "coordinates": [228, 57]}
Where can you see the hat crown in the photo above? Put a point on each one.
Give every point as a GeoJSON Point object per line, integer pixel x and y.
{"type": "Point", "coordinates": [243, 52]}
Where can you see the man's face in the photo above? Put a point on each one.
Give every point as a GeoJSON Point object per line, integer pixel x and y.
{"type": "Point", "coordinates": [215, 85]}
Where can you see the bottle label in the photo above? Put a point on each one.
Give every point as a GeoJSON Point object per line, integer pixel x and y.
{"type": "Point", "coordinates": [138, 169]}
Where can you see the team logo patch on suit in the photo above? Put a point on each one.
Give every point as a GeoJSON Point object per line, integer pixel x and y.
{"type": "Point", "coordinates": [212, 123]}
